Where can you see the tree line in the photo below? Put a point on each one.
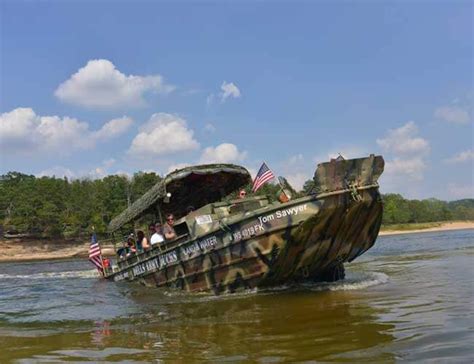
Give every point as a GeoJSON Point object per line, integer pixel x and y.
{"type": "Point", "coordinates": [63, 208]}
{"type": "Point", "coordinates": [59, 207]}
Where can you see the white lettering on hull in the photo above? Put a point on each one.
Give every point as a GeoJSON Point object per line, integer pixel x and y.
{"type": "Point", "coordinates": [196, 247]}
{"type": "Point", "coordinates": [266, 220]}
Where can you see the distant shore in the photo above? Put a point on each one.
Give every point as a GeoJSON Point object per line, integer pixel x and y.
{"type": "Point", "coordinates": [17, 250]}
{"type": "Point", "coordinates": [426, 227]}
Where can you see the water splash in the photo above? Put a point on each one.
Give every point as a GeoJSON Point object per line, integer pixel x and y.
{"type": "Point", "coordinates": [355, 281]}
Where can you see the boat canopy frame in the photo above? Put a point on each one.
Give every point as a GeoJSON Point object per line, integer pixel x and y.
{"type": "Point", "coordinates": [194, 186]}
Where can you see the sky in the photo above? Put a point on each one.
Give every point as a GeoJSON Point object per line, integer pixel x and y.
{"type": "Point", "coordinates": [89, 89]}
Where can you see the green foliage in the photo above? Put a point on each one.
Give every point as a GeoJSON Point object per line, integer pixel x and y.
{"type": "Point", "coordinates": [55, 207]}
{"type": "Point", "coordinates": [308, 187]}
{"type": "Point", "coordinates": [398, 210]}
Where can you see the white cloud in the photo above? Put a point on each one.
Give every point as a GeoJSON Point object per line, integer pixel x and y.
{"type": "Point", "coordinates": [95, 173]}
{"type": "Point", "coordinates": [223, 153]}
{"type": "Point", "coordinates": [405, 154]}
{"type": "Point", "coordinates": [108, 162]}
{"type": "Point", "coordinates": [253, 171]}
{"type": "Point", "coordinates": [58, 172]}
{"type": "Point", "coordinates": [229, 90]}
{"type": "Point", "coordinates": [210, 128]}
{"type": "Point", "coordinates": [22, 130]}
{"type": "Point", "coordinates": [125, 174]}
{"type": "Point", "coordinates": [452, 114]}
{"type": "Point", "coordinates": [296, 159]}
{"type": "Point", "coordinates": [297, 180]}
{"type": "Point", "coordinates": [113, 128]}
{"type": "Point", "coordinates": [99, 84]}
{"type": "Point", "coordinates": [16, 127]}
{"type": "Point", "coordinates": [404, 140]}
{"type": "Point", "coordinates": [296, 169]}
{"type": "Point", "coordinates": [461, 191]}
{"type": "Point", "coordinates": [102, 170]}
{"type": "Point", "coordinates": [163, 134]}
{"type": "Point", "coordinates": [465, 156]}
{"type": "Point", "coordinates": [412, 167]}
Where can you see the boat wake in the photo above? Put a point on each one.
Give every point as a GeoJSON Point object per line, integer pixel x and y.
{"type": "Point", "coordinates": [353, 281]}
{"type": "Point", "coordinates": [53, 275]}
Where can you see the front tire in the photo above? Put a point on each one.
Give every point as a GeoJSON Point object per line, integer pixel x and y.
{"type": "Point", "coordinates": [333, 274]}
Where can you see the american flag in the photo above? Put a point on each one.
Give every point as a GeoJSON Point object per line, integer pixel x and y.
{"type": "Point", "coordinates": [264, 175]}
{"type": "Point", "coordinates": [95, 256]}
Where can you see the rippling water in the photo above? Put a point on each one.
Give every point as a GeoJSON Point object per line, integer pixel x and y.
{"type": "Point", "coordinates": [410, 298]}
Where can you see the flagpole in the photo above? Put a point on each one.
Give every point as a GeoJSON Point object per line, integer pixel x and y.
{"type": "Point", "coordinates": [274, 174]}
{"type": "Point", "coordinates": [278, 179]}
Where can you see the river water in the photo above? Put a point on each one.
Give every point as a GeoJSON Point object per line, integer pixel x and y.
{"type": "Point", "coordinates": [410, 298]}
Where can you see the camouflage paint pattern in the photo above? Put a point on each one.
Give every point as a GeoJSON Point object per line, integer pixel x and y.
{"type": "Point", "coordinates": [273, 244]}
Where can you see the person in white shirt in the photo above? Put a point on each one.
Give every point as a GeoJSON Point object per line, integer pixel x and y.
{"type": "Point", "coordinates": [157, 237]}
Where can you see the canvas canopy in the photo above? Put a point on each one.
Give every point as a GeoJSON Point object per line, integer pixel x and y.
{"type": "Point", "coordinates": [192, 186]}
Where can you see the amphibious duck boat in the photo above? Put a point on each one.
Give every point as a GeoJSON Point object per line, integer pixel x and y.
{"type": "Point", "coordinates": [225, 245]}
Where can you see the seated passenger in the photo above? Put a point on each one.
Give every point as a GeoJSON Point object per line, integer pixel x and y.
{"type": "Point", "coordinates": [151, 230]}
{"type": "Point", "coordinates": [131, 246]}
{"type": "Point", "coordinates": [168, 229]}
{"type": "Point", "coordinates": [242, 194]}
{"type": "Point", "coordinates": [122, 252]}
{"type": "Point", "coordinates": [142, 242]}
{"type": "Point", "coordinates": [157, 237]}
{"type": "Point", "coordinates": [106, 264]}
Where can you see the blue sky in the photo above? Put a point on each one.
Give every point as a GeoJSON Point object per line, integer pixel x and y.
{"type": "Point", "coordinates": [90, 89]}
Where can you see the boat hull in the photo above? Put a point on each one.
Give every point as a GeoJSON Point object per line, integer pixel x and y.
{"type": "Point", "coordinates": [296, 241]}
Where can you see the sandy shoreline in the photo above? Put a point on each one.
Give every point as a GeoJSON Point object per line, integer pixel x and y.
{"type": "Point", "coordinates": [18, 250]}
{"type": "Point", "coordinates": [445, 226]}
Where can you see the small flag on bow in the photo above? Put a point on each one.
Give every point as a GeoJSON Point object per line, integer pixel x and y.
{"type": "Point", "coordinates": [263, 176]}
{"type": "Point", "coordinates": [95, 256]}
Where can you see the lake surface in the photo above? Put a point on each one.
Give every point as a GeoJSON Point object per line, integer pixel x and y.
{"type": "Point", "coordinates": [410, 298]}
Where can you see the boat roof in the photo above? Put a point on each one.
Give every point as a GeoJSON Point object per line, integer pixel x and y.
{"type": "Point", "coordinates": [194, 186]}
